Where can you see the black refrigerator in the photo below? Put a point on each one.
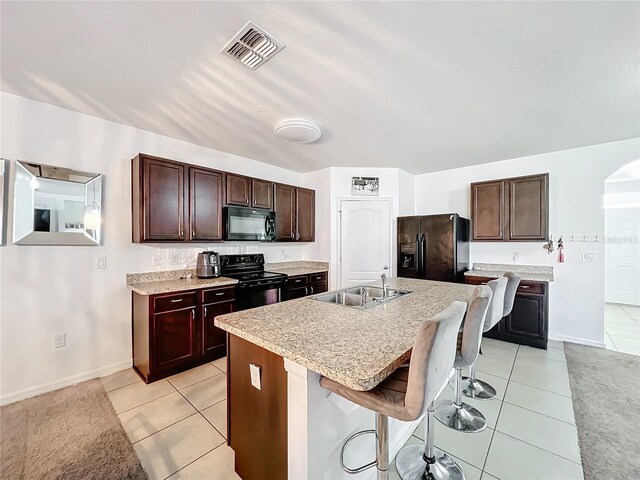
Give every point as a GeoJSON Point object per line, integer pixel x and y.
{"type": "Point", "coordinates": [433, 247]}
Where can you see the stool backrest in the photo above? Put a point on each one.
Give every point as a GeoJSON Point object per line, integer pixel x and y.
{"type": "Point", "coordinates": [474, 325]}
{"type": "Point", "coordinates": [496, 307]}
{"type": "Point", "coordinates": [434, 351]}
{"type": "Point", "coordinates": [513, 280]}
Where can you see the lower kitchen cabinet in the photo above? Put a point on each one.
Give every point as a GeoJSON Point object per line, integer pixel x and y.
{"type": "Point", "coordinates": [174, 332]}
{"type": "Point", "coordinates": [528, 322]}
{"type": "Point", "coordinates": [303, 285]}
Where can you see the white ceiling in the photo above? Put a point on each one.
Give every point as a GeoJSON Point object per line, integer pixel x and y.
{"type": "Point", "coordinates": [423, 86]}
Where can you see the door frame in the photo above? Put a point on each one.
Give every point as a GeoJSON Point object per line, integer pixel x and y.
{"type": "Point", "coordinates": [389, 203]}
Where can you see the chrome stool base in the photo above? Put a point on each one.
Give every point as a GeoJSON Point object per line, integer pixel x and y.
{"type": "Point", "coordinates": [411, 465]}
{"type": "Point", "coordinates": [463, 418]}
{"type": "Point", "coordinates": [474, 388]}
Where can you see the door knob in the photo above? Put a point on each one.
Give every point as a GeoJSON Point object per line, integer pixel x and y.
{"type": "Point", "coordinates": [386, 267]}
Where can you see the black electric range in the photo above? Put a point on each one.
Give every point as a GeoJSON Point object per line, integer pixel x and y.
{"type": "Point", "coordinates": [255, 286]}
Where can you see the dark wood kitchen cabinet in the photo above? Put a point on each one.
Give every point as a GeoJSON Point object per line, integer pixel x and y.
{"type": "Point", "coordinates": [261, 194]}
{"type": "Point", "coordinates": [511, 209]}
{"type": "Point", "coordinates": [158, 200]}
{"type": "Point", "coordinates": [173, 332]}
{"type": "Point", "coordinates": [205, 204]}
{"type": "Point", "coordinates": [303, 285]}
{"type": "Point", "coordinates": [175, 202]}
{"type": "Point", "coordinates": [238, 190]}
{"type": "Point", "coordinates": [218, 301]}
{"type": "Point", "coordinates": [295, 213]}
{"type": "Point", "coordinates": [528, 322]}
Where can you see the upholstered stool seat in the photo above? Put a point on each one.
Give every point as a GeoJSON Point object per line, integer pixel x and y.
{"type": "Point", "coordinates": [406, 393]}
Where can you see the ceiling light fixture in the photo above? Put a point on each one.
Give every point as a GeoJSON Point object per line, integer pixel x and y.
{"type": "Point", "coordinates": [298, 131]}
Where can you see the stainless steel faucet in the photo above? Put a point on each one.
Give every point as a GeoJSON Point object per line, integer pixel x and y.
{"type": "Point", "coordinates": [385, 285]}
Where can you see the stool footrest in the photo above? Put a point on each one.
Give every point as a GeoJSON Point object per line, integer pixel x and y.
{"type": "Point", "coordinates": [353, 471]}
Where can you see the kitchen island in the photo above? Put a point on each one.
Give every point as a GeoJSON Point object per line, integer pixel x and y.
{"type": "Point", "coordinates": [292, 428]}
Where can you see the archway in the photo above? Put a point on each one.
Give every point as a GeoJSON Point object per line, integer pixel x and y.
{"type": "Point", "coordinates": [621, 204]}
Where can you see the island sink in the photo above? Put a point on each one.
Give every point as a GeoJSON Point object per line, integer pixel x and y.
{"type": "Point", "coordinates": [361, 297]}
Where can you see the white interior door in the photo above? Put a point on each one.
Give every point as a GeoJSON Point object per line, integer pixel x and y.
{"type": "Point", "coordinates": [365, 235]}
{"type": "Point", "coordinates": [622, 256]}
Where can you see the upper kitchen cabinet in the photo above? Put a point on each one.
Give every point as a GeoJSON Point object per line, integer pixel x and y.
{"type": "Point", "coordinates": [158, 200]}
{"type": "Point", "coordinates": [261, 194]}
{"type": "Point", "coordinates": [175, 202]}
{"type": "Point", "coordinates": [295, 213]}
{"type": "Point", "coordinates": [285, 208]}
{"type": "Point", "coordinates": [205, 204]}
{"type": "Point", "coordinates": [238, 190]}
{"type": "Point", "coordinates": [305, 215]}
{"type": "Point", "coordinates": [511, 209]}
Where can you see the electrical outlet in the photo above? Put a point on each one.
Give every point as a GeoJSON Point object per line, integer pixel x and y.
{"type": "Point", "coordinates": [174, 258]}
{"type": "Point", "coordinates": [589, 257]}
{"type": "Point", "coordinates": [101, 262]}
{"type": "Point", "coordinates": [60, 341]}
{"type": "Point", "coordinates": [516, 256]}
{"type": "Point", "coordinates": [156, 260]}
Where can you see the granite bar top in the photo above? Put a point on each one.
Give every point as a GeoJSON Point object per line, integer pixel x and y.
{"type": "Point", "coordinates": [533, 273]}
{"type": "Point", "coordinates": [179, 285]}
{"type": "Point", "coordinates": [297, 268]}
{"type": "Point", "coordinates": [357, 348]}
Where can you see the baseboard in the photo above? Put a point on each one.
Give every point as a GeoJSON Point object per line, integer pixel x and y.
{"type": "Point", "coordinates": [581, 341]}
{"type": "Point", "coordinates": [63, 382]}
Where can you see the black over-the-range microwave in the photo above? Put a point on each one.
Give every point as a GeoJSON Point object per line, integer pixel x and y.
{"type": "Point", "coordinates": [244, 223]}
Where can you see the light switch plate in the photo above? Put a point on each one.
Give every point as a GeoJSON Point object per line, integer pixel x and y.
{"type": "Point", "coordinates": [255, 371]}
{"type": "Point", "coordinates": [101, 262]}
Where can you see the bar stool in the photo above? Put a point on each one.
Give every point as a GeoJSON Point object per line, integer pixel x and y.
{"type": "Point", "coordinates": [456, 414]}
{"type": "Point", "coordinates": [406, 392]}
{"type": "Point", "coordinates": [501, 306]}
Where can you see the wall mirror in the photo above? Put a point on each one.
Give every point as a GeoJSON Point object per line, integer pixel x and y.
{"type": "Point", "coordinates": [56, 206]}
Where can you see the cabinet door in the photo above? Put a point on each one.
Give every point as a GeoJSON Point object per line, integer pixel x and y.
{"type": "Point", "coordinates": [305, 215]}
{"type": "Point", "coordinates": [214, 339]}
{"type": "Point", "coordinates": [163, 206]}
{"type": "Point", "coordinates": [205, 204]}
{"type": "Point", "coordinates": [318, 287]}
{"type": "Point", "coordinates": [261, 194]}
{"type": "Point", "coordinates": [174, 338]}
{"type": "Point", "coordinates": [285, 206]}
{"type": "Point", "coordinates": [529, 208]}
{"type": "Point", "coordinates": [238, 190]}
{"type": "Point", "coordinates": [527, 317]}
{"type": "Point", "coordinates": [487, 210]}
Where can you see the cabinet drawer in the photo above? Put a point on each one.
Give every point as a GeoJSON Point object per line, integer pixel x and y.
{"type": "Point", "coordinates": [175, 301]}
{"type": "Point", "coordinates": [215, 295]}
{"type": "Point", "coordinates": [300, 281]}
{"type": "Point", "coordinates": [318, 277]}
{"type": "Point", "coordinates": [531, 287]}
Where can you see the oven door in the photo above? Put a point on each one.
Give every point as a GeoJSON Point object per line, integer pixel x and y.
{"type": "Point", "coordinates": [249, 224]}
{"type": "Point", "coordinates": [258, 294]}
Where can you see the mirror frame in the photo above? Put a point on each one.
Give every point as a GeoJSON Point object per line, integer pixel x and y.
{"type": "Point", "coordinates": [39, 170]}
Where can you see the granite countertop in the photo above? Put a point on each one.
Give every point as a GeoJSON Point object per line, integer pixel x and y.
{"type": "Point", "coordinates": [292, 272]}
{"type": "Point", "coordinates": [357, 348]}
{"type": "Point", "coordinates": [532, 273]}
{"type": "Point", "coordinates": [179, 285]}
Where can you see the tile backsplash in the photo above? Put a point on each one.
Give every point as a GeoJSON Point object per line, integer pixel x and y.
{"type": "Point", "coordinates": [176, 258]}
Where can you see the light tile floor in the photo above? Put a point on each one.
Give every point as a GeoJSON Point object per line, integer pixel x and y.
{"type": "Point", "coordinates": [178, 425]}
{"type": "Point", "coordinates": [622, 328]}
{"type": "Point", "coordinates": [531, 432]}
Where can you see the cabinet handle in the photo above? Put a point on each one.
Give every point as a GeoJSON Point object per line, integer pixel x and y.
{"type": "Point", "coordinates": [193, 314]}
{"type": "Point", "coordinates": [299, 280]}
{"type": "Point", "coordinates": [298, 236]}
{"type": "Point", "coordinates": [306, 291]}
{"type": "Point", "coordinates": [220, 293]}
{"type": "Point", "coordinates": [525, 286]}
{"type": "Point", "coordinates": [292, 236]}
{"type": "Point", "coordinates": [177, 300]}
{"type": "Point", "coordinates": [205, 311]}
{"type": "Point", "coordinates": [311, 287]}
{"type": "Point", "coordinates": [246, 200]}
{"type": "Point", "coordinates": [193, 233]}
{"type": "Point", "coordinates": [181, 232]}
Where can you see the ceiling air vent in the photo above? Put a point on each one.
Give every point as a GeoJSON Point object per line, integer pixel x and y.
{"type": "Point", "coordinates": [252, 46]}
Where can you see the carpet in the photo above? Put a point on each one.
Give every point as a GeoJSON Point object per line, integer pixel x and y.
{"type": "Point", "coordinates": [605, 386]}
{"type": "Point", "coordinates": [71, 434]}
